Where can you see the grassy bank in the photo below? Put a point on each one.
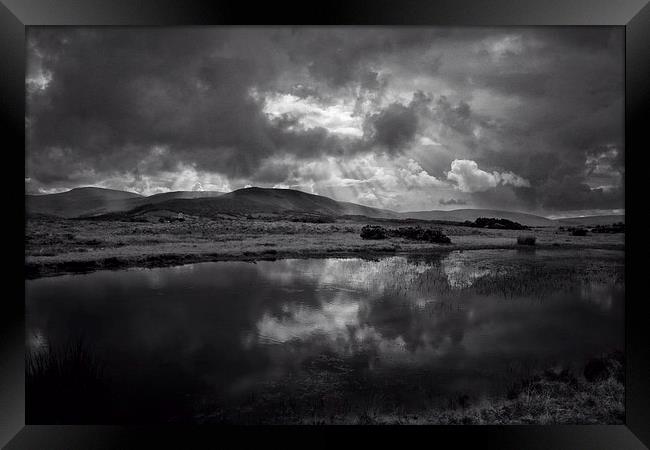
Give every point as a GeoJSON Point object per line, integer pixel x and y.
{"type": "Point", "coordinates": [58, 246]}
{"type": "Point", "coordinates": [548, 397]}
{"type": "Point", "coordinates": [595, 396]}
{"type": "Point", "coordinates": [69, 385]}
{"type": "Point", "coordinates": [551, 396]}
{"type": "Point", "coordinates": [542, 402]}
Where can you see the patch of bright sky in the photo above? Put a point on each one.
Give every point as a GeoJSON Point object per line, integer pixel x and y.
{"type": "Point", "coordinates": [586, 213]}
{"type": "Point", "coordinates": [337, 117]}
{"type": "Point", "coordinates": [38, 81]}
{"type": "Point", "coordinates": [502, 46]}
{"type": "Point", "coordinates": [370, 179]}
{"type": "Point", "coordinates": [185, 178]}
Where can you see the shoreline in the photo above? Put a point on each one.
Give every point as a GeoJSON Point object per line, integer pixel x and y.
{"type": "Point", "coordinates": [56, 247]}
{"type": "Point", "coordinates": [60, 267]}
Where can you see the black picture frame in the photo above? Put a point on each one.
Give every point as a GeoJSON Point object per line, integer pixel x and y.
{"type": "Point", "coordinates": [634, 15]}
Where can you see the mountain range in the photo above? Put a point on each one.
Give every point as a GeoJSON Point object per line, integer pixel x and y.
{"type": "Point", "coordinates": [93, 202]}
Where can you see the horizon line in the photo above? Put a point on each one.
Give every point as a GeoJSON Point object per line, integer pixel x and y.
{"type": "Point", "coordinates": [549, 217]}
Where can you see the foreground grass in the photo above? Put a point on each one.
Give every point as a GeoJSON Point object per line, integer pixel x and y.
{"type": "Point", "coordinates": [57, 246]}
{"type": "Point", "coordinates": [66, 384]}
{"type": "Point", "coordinates": [542, 402]}
{"type": "Point", "coordinates": [69, 385]}
{"type": "Point", "coordinates": [552, 397]}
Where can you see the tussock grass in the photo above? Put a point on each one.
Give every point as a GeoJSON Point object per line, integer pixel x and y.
{"type": "Point", "coordinates": [65, 384]}
{"type": "Point", "coordinates": [55, 246]}
{"type": "Point", "coordinates": [551, 397]}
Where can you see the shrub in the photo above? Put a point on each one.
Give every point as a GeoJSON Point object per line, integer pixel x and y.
{"type": "Point", "coordinates": [578, 232]}
{"type": "Point", "coordinates": [526, 240]}
{"type": "Point", "coordinates": [436, 236]}
{"type": "Point", "coordinates": [373, 232]}
{"type": "Point", "coordinates": [606, 366]}
{"type": "Point", "coordinates": [491, 222]}
{"type": "Point", "coordinates": [422, 234]}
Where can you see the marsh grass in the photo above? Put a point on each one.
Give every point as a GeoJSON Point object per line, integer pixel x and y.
{"type": "Point", "coordinates": [538, 279]}
{"type": "Point", "coordinates": [65, 384]}
{"type": "Point", "coordinates": [57, 246]}
{"type": "Point", "coordinates": [550, 397]}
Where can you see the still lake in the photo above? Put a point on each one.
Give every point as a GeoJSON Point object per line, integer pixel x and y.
{"type": "Point", "coordinates": [243, 342]}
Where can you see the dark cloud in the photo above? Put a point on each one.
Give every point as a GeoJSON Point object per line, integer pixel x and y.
{"type": "Point", "coordinates": [264, 105]}
{"type": "Point", "coordinates": [571, 194]}
{"type": "Point", "coordinates": [458, 118]}
{"type": "Point", "coordinates": [116, 96]}
{"type": "Point", "coordinates": [338, 56]}
{"type": "Point", "coordinates": [393, 127]}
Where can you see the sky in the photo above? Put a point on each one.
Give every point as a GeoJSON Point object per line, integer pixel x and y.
{"type": "Point", "coordinates": [404, 118]}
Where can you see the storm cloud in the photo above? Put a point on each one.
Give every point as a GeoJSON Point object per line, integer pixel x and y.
{"type": "Point", "coordinates": [402, 118]}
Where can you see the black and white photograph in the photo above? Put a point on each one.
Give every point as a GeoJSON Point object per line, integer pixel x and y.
{"type": "Point", "coordinates": [325, 225]}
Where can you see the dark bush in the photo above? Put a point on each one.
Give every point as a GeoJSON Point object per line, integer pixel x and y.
{"type": "Point", "coordinates": [491, 222]}
{"type": "Point", "coordinates": [596, 370]}
{"type": "Point", "coordinates": [601, 368]}
{"type": "Point", "coordinates": [373, 232]}
{"type": "Point", "coordinates": [421, 234]}
{"type": "Point", "coordinates": [436, 236]}
{"type": "Point", "coordinates": [526, 240]}
{"type": "Point", "coordinates": [578, 232]}
{"type": "Point", "coordinates": [414, 233]}
{"type": "Point", "coordinates": [112, 263]}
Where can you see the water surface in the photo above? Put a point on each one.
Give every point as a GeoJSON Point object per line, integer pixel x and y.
{"type": "Point", "coordinates": [247, 342]}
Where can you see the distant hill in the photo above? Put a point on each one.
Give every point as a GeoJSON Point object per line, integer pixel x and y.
{"type": "Point", "coordinates": [163, 197]}
{"type": "Point", "coordinates": [592, 220]}
{"type": "Point", "coordinates": [79, 201]}
{"type": "Point", "coordinates": [264, 200]}
{"type": "Point", "coordinates": [461, 215]}
{"type": "Point", "coordinates": [92, 201]}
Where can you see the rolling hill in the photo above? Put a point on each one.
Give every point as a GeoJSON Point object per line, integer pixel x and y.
{"type": "Point", "coordinates": [80, 201]}
{"type": "Point", "coordinates": [93, 201]}
{"type": "Point", "coordinates": [264, 200]}
{"type": "Point", "coordinates": [173, 195]}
